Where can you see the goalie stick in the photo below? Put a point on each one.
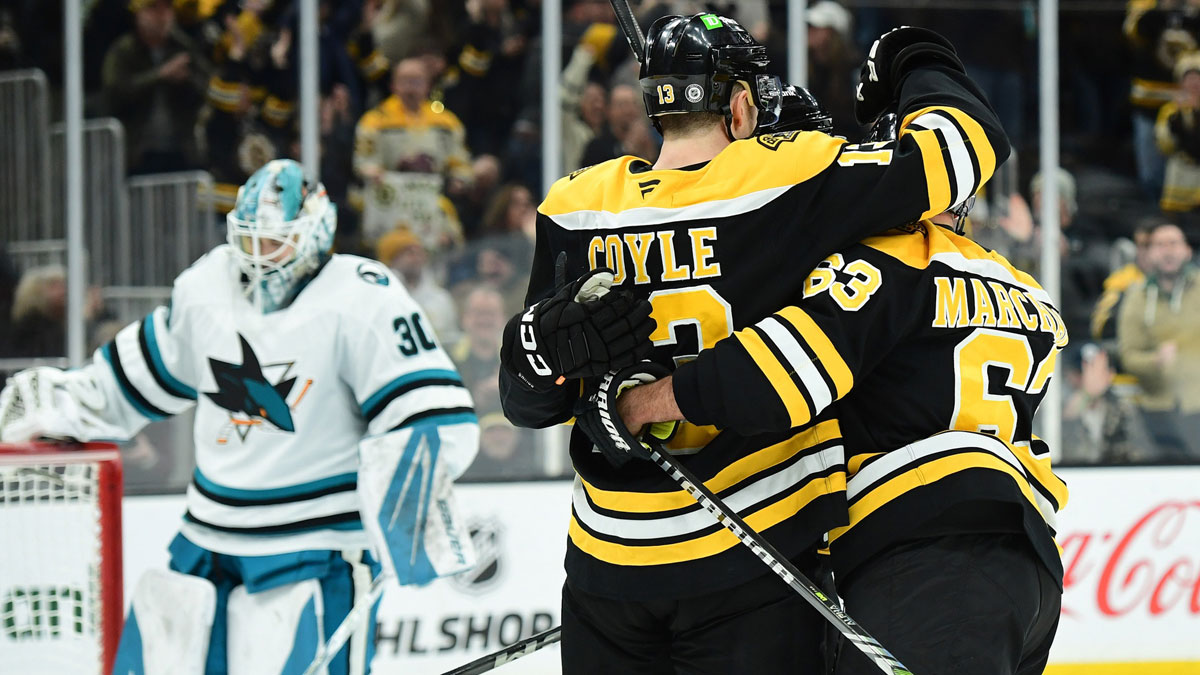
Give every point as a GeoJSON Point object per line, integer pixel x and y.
{"type": "Point", "coordinates": [353, 618]}
{"type": "Point", "coordinates": [780, 565]}
{"type": "Point", "coordinates": [510, 653]}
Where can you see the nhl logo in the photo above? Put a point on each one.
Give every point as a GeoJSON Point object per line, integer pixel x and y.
{"type": "Point", "coordinates": [486, 535]}
{"type": "Point", "coordinates": [693, 93]}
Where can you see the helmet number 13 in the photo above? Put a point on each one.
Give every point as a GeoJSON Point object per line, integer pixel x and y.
{"type": "Point", "coordinates": [666, 93]}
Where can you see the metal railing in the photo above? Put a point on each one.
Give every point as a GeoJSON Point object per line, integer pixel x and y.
{"type": "Point", "coordinates": [25, 163]}
{"type": "Point", "coordinates": [172, 222]}
{"type": "Point", "coordinates": [26, 255]}
{"type": "Point", "coordinates": [105, 203]}
{"type": "Point", "coordinates": [130, 303]}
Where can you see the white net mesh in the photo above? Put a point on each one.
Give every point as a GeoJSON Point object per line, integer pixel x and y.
{"type": "Point", "coordinates": [50, 572]}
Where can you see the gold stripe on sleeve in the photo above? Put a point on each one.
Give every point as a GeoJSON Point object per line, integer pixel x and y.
{"type": "Point", "coordinates": [781, 381]}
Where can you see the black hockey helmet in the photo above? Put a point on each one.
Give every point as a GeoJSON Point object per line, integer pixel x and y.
{"type": "Point", "coordinates": [887, 128]}
{"type": "Point", "coordinates": [799, 111]}
{"type": "Point", "coordinates": [691, 64]}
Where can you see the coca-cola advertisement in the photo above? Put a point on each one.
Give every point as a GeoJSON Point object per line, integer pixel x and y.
{"type": "Point", "coordinates": [1130, 539]}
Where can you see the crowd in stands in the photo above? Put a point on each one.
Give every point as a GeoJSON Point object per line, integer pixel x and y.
{"type": "Point", "coordinates": [430, 116]}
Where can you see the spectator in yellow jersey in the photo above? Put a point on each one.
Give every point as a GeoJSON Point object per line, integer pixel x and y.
{"type": "Point", "coordinates": [1178, 134]}
{"type": "Point", "coordinates": [1104, 316]}
{"type": "Point", "coordinates": [410, 133]}
{"type": "Point", "coordinates": [1157, 32]}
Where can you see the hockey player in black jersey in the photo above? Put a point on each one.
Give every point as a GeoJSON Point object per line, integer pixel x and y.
{"type": "Point", "coordinates": [716, 235]}
{"type": "Point", "coordinates": [934, 354]}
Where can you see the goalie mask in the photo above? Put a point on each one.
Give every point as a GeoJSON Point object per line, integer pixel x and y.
{"type": "Point", "coordinates": [692, 64]}
{"type": "Point", "coordinates": [281, 232]}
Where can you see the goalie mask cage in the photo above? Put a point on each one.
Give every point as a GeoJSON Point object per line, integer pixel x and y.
{"type": "Point", "coordinates": [61, 604]}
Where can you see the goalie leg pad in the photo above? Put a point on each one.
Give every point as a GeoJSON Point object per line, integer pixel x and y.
{"type": "Point", "coordinates": [275, 631]}
{"type": "Point", "coordinates": [169, 625]}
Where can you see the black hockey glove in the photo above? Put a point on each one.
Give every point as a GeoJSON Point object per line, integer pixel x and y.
{"type": "Point", "coordinates": [583, 330]}
{"type": "Point", "coordinates": [596, 414]}
{"type": "Point", "coordinates": [895, 54]}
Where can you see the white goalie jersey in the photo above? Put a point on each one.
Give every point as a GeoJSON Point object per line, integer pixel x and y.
{"type": "Point", "coordinates": [284, 399]}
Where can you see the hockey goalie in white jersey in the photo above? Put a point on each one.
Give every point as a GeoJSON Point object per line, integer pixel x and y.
{"type": "Point", "coordinates": [329, 424]}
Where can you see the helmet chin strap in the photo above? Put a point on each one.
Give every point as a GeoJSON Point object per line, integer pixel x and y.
{"type": "Point", "coordinates": [729, 127]}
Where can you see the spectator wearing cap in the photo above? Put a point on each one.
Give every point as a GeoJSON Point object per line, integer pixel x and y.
{"type": "Point", "coordinates": [1158, 335]}
{"type": "Point", "coordinates": [1177, 131]}
{"type": "Point", "coordinates": [154, 82]}
{"type": "Point", "coordinates": [833, 63]}
{"type": "Point", "coordinates": [403, 252]}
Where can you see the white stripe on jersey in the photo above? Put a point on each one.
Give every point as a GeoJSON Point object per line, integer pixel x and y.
{"type": "Point", "coordinates": [721, 208]}
{"type": "Point", "coordinates": [268, 515]}
{"type": "Point", "coordinates": [693, 521]}
{"type": "Point", "coordinates": [916, 453]}
{"type": "Point", "coordinates": [989, 268]}
{"type": "Point", "coordinates": [800, 362]}
{"type": "Point", "coordinates": [242, 544]}
{"type": "Point", "coordinates": [961, 169]}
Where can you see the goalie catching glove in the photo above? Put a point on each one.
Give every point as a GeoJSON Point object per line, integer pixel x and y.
{"type": "Point", "coordinates": [895, 54]}
{"type": "Point", "coordinates": [596, 414]}
{"type": "Point", "coordinates": [583, 330]}
{"type": "Point", "coordinates": [50, 403]}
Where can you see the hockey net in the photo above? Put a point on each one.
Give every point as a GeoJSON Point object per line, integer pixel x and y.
{"type": "Point", "coordinates": [60, 557]}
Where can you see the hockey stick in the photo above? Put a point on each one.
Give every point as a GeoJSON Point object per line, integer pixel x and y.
{"type": "Point", "coordinates": [327, 651]}
{"type": "Point", "coordinates": [631, 29]}
{"type": "Point", "coordinates": [510, 653]}
{"type": "Point", "coordinates": [778, 564]}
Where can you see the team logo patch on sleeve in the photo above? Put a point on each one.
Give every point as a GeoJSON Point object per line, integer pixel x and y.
{"type": "Point", "coordinates": [773, 141]}
{"type": "Point", "coordinates": [371, 273]}
{"type": "Point", "coordinates": [575, 174]}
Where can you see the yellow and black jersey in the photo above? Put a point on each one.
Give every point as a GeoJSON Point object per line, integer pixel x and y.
{"type": "Point", "coordinates": [1104, 315]}
{"type": "Point", "coordinates": [431, 140]}
{"type": "Point", "coordinates": [937, 353]}
{"type": "Point", "coordinates": [1153, 83]}
{"type": "Point", "coordinates": [716, 248]}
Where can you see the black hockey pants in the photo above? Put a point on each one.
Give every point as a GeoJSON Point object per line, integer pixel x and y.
{"type": "Point", "coordinates": [760, 627]}
{"type": "Point", "coordinates": [979, 604]}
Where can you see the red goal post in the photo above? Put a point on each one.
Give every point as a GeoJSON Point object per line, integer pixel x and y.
{"type": "Point", "coordinates": [61, 603]}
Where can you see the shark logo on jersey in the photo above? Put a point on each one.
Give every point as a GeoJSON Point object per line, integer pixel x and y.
{"type": "Point", "coordinates": [249, 397]}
